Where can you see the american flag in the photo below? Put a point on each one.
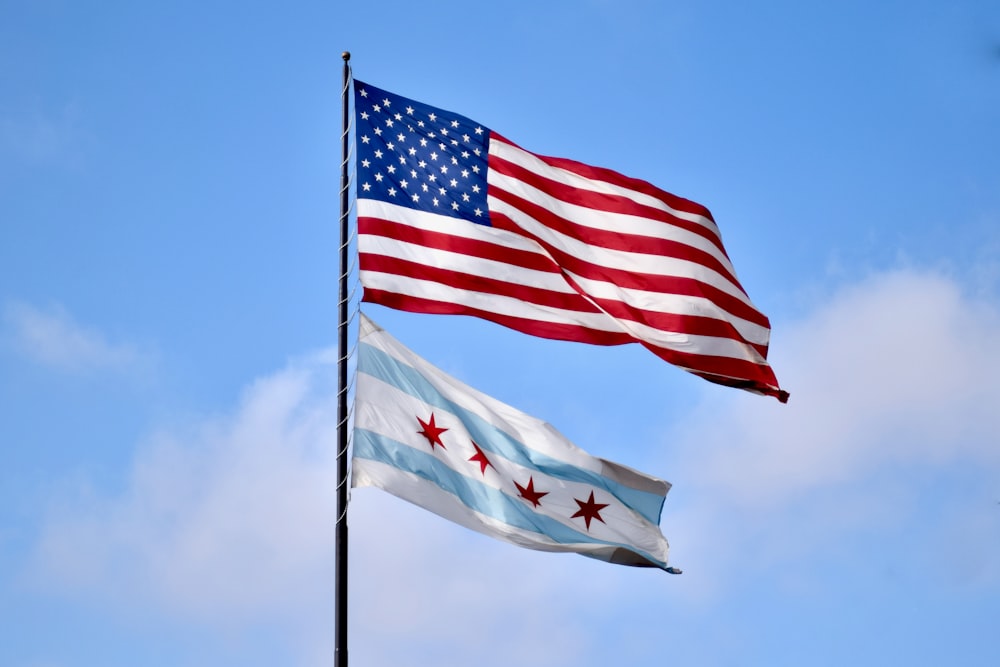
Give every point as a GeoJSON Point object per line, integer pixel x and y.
{"type": "Point", "coordinates": [453, 218]}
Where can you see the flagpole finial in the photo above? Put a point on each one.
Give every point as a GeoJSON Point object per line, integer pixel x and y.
{"type": "Point", "coordinates": [346, 55]}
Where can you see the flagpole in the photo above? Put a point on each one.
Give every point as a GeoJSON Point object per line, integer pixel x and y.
{"type": "Point", "coordinates": [340, 539]}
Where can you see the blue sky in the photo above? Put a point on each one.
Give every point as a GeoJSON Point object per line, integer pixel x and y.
{"type": "Point", "coordinates": [168, 271]}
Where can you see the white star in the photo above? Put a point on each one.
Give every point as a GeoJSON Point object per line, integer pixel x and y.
{"type": "Point", "coordinates": [435, 200]}
{"type": "Point", "coordinates": [479, 130]}
{"type": "Point", "coordinates": [378, 153]}
{"type": "Point", "coordinates": [465, 196]}
{"type": "Point", "coordinates": [365, 139]}
{"type": "Point", "coordinates": [366, 187]}
{"type": "Point", "coordinates": [401, 137]}
{"type": "Point", "coordinates": [376, 108]}
{"type": "Point", "coordinates": [409, 110]}
{"type": "Point", "coordinates": [388, 122]}
{"type": "Point", "coordinates": [423, 142]}
{"type": "Point", "coordinates": [416, 197]}
{"type": "Point", "coordinates": [431, 178]}
{"type": "Point", "coordinates": [391, 169]}
{"type": "Point", "coordinates": [479, 212]}
{"type": "Point", "coordinates": [365, 163]}
{"type": "Point", "coordinates": [386, 102]}
{"type": "Point", "coordinates": [454, 160]}
{"type": "Point", "coordinates": [422, 164]}
{"type": "Point", "coordinates": [398, 116]}
{"type": "Point", "coordinates": [475, 168]}
{"type": "Point", "coordinates": [465, 138]}
{"type": "Point", "coordinates": [423, 186]}
{"type": "Point", "coordinates": [454, 206]}
{"type": "Point", "coordinates": [378, 131]}
{"type": "Point", "coordinates": [454, 123]}
{"type": "Point", "coordinates": [413, 151]}
{"type": "Point", "coordinates": [402, 159]}
{"type": "Point", "coordinates": [475, 188]}
{"type": "Point", "coordinates": [444, 131]}
{"type": "Point", "coordinates": [364, 115]}
{"type": "Point", "coordinates": [433, 117]}
{"type": "Point", "coordinates": [434, 155]}
{"type": "Point", "coordinates": [454, 183]}
{"type": "Point", "coordinates": [444, 169]}
{"type": "Point", "coordinates": [379, 177]}
{"type": "Point", "coordinates": [465, 173]}
{"type": "Point", "coordinates": [391, 146]}
{"type": "Point", "coordinates": [392, 192]}
{"type": "Point", "coordinates": [364, 92]}
{"type": "Point", "coordinates": [403, 184]}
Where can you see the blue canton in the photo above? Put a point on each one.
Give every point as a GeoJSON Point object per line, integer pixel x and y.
{"type": "Point", "coordinates": [415, 155]}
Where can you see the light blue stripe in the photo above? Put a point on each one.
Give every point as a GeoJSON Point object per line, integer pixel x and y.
{"type": "Point", "coordinates": [407, 379]}
{"type": "Point", "coordinates": [472, 493]}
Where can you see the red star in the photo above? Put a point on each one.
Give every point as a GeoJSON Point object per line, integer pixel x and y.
{"type": "Point", "coordinates": [589, 510]}
{"type": "Point", "coordinates": [480, 458]}
{"type": "Point", "coordinates": [529, 493]}
{"type": "Point", "coordinates": [432, 432]}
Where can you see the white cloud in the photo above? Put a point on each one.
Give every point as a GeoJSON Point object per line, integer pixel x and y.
{"type": "Point", "coordinates": [894, 395]}
{"type": "Point", "coordinates": [41, 138]}
{"type": "Point", "coordinates": [228, 522]}
{"type": "Point", "coordinates": [55, 339]}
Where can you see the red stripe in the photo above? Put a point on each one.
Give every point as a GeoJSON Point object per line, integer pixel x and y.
{"type": "Point", "coordinates": [550, 330]}
{"type": "Point", "coordinates": [458, 244]}
{"type": "Point", "coordinates": [605, 202]}
{"type": "Point", "coordinates": [724, 368]}
{"type": "Point", "coordinates": [474, 283]}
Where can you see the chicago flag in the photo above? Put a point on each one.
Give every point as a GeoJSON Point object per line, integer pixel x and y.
{"type": "Point", "coordinates": [423, 436]}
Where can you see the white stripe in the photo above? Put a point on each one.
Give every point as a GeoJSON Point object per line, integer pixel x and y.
{"type": "Point", "coordinates": [486, 301]}
{"type": "Point", "coordinates": [463, 263]}
{"type": "Point", "coordinates": [434, 222]}
{"type": "Point", "coordinates": [531, 162]}
{"type": "Point", "coordinates": [407, 486]}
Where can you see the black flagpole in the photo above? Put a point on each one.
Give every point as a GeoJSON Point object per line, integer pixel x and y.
{"type": "Point", "coordinates": [340, 539]}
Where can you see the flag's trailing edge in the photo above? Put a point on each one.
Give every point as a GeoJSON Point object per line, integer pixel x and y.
{"type": "Point", "coordinates": [455, 219]}
{"type": "Point", "coordinates": [427, 438]}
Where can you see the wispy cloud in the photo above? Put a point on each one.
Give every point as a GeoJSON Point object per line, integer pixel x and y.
{"type": "Point", "coordinates": [52, 337]}
{"type": "Point", "coordinates": [41, 138]}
